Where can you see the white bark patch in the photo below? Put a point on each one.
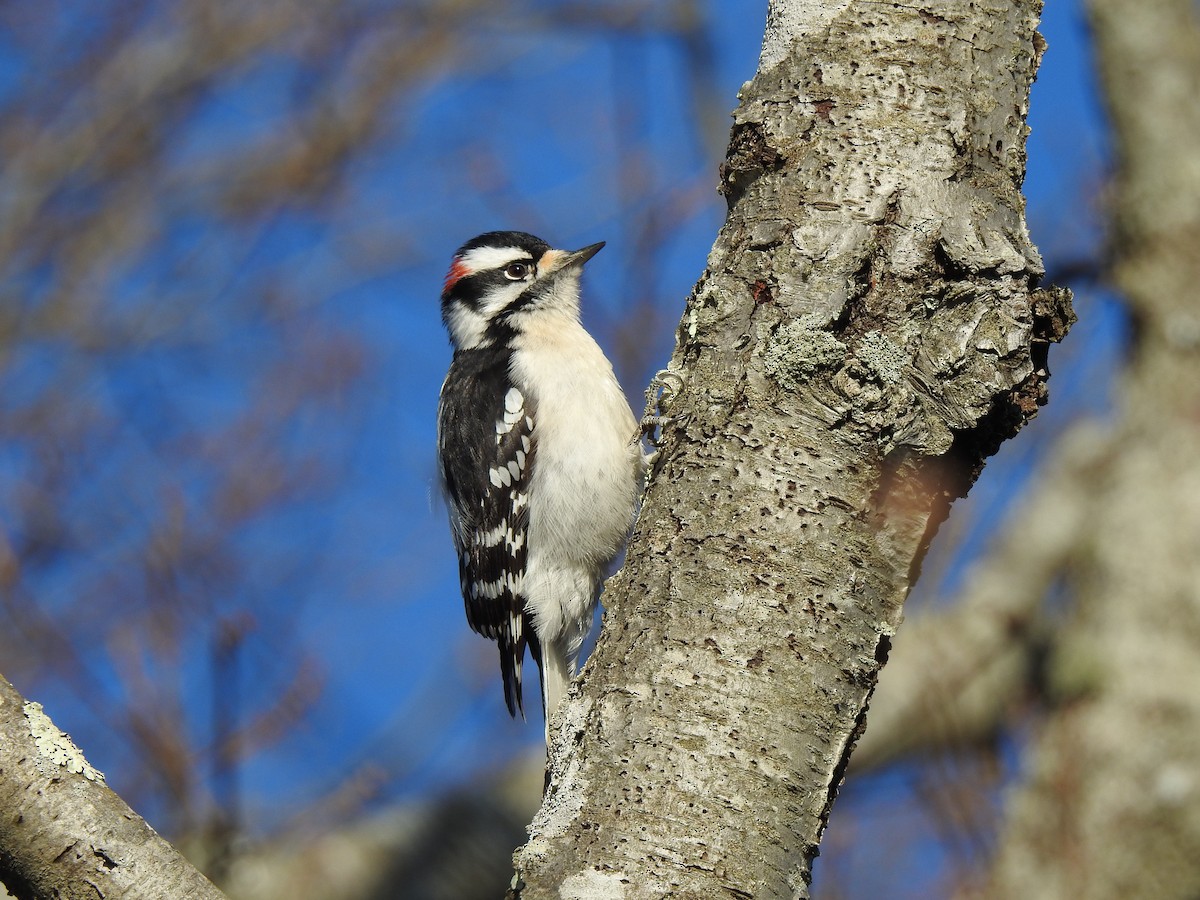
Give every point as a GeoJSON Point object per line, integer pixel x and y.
{"type": "Point", "coordinates": [561, 808]}
{"type": "Point", "coordinates": [787, 22]}
{"type": "Point", "coordinates": [593, 885]}
{"type": "Point", "coordinates": [55, 748]}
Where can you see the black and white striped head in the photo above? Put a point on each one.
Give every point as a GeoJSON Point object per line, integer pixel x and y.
{"type": "Point", "coordinates": [502, 274]}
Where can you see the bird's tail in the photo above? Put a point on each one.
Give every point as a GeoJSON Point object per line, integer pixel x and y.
{"type": "Point", "coordinates": [557, 670]}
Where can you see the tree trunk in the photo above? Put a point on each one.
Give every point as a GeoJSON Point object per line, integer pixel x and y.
{"type": "Point", "coordinates": [867, 331]}
{"type": "Point", "coordinates": [64, 834]}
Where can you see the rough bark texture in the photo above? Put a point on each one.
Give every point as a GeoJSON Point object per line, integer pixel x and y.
{"type": "Point", "coordinates": [866, 332]}
{"type": "Point", "coordinates": [64, 834]}
{"type": "Point", "coordinates": [1111, 802]}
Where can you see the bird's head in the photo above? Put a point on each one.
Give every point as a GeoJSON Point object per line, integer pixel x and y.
{"type": "Point", "coordinates": [506, 273]}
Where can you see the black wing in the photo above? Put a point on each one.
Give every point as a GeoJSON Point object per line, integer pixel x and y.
{"type": "Point", "coordinates": [485, 450]}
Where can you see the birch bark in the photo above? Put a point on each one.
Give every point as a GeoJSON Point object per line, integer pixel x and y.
{"type": "Point", "coordinates": [64, 834]}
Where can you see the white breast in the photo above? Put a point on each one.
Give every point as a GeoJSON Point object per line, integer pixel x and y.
{"type": "Point", "coordinates": [586, 471]}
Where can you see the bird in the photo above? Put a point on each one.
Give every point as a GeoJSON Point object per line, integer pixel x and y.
{"type": "Point", "coordinates": [539, 455]}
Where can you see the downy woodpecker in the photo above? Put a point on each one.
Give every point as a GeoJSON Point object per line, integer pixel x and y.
{"type": "Point", "coordinates": [539, 454]}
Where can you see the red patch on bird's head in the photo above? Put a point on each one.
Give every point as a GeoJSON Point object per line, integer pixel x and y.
{"type": "Point", "coordinates": [458, 269]}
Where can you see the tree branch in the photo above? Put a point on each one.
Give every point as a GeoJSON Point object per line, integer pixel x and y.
{"type": "Point", "coordinates": [64, 834]}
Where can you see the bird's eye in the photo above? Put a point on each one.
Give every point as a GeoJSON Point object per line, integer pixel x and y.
{"type": "Point", "coordinates": [516, 271]}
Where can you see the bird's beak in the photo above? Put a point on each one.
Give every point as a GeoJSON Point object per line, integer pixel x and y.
{"type": "Point", "coordinates": [557, 260]}
{"type": "Point", "coordinates": [579, 257]}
